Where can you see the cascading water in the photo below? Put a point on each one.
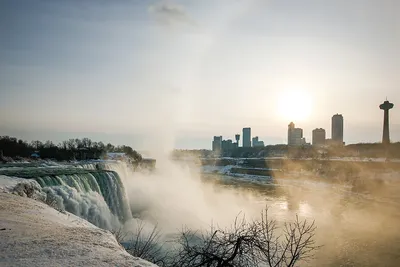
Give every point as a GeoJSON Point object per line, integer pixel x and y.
{"type": "Point", "coordinates": [86, 191]}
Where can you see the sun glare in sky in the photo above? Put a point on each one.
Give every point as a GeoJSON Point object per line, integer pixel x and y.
{"type": "Point", "coordinates": [295, 105]}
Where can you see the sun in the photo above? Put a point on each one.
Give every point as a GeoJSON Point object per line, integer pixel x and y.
{"type": "Point", "coordinates": [295, 105]}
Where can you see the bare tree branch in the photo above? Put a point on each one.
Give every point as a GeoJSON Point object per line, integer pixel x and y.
{"type": "Point", "coordinates": [246, 243]}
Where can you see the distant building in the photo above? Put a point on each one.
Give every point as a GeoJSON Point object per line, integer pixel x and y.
{"type": "Point", "coordinates": [217, 144]}
{"type": "Point", "coordinates": [295, 135]}
{"type": "Point", "coordinates": [246, 137]}
{"type": "Point", "coordinates": [318, 137]}
{"type": "Point", "coordinates": [386, 106]}
{"type": "Point", "coordinates": [290, 130]}
{"type": "Point", "coordinates": [254, 141]}
{"type": "Point", "coordinates": [257, 143]}
{"type": "Point", "coordinates": [227, 145]}
{"type": "Point", "coordinates": [337, 129]}
{"type": "Point", "coordinates": [237, 138]}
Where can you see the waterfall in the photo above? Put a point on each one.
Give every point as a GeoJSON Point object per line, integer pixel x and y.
{"type": "Point", "coordinates": [95, 195]}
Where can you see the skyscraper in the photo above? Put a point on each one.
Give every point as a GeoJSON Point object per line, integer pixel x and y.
{"type": "Point", "coordinates": [256, 142]}
{"type": "Point", "coordinates": [226, 145]}
{"type": "Point", "coordinates": [217, 143]}
{"type": "Point", "coordinates": [318, 137]}
{"type": "Point", "coordinates": [295, 135]}
{"type": "Point", "coordinates": [246, 137]}
{"type": "Point", "coordinates": [337, 129]}
{"type": "Point", "coordinates": [290, 130]}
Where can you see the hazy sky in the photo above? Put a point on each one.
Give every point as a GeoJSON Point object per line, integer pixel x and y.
{"type": "Point", "coordinates": [176, 73]}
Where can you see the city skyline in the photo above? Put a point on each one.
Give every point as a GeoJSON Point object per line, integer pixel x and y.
{"type": "Point", "coordinates": [232, 139]}
{"type": "Point", "coordinates": [156, 74]}
{"type": "Point", "coordinates": [295, 135]}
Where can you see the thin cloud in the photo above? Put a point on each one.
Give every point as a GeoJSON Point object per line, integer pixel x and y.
{"type": "Point", "coordinates": [170, 14]}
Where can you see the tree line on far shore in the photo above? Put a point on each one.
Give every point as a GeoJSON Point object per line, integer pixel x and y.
{"type": "Point", "coordinates": [72, 149]}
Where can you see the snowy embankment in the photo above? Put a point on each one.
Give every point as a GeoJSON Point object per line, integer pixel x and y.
{"type": "Point", "coordinates": [34, 234]}
{"type": "Point", "coordinates": [217, 169]}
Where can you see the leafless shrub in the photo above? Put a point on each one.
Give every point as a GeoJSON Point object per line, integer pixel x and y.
{"type": "Point", "coordinates": [255, 243]}
{"type": "Point", "coordinates": [142, 244]}
{"type": "Point", "coordinates": [245, 244]}
{"type": "Point", "coordinates": [119, 235]}
{"type": "Point", "coordinates": [296, 243]}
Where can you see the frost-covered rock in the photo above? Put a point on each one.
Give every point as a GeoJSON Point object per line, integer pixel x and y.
{"type": "Point", "coordinates": [34, 234]}
{"type": "Point", "coordinates": [29, 188]}
{"type": "Point", "coordinates": [22, 187]}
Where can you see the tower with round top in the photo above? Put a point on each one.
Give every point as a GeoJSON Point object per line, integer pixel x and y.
{"type": "Point", "coordinates": [386, 106]}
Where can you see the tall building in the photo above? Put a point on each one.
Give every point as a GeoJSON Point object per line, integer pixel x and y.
{"type": "Point", "coordinates": [217, 144]}
{"type": "Point", "coordinates": [318, 137]}
{"type": "Point", "coordinates": [237, 138]}
{"type": "Point", "coordinates": [256, 142]}
{"type": "Point", "coordinates": [227, 145]}
{"type": "Point", "coordinates": [337, 129]}
{"type": "Point", "coordinates": [386, 106]}
{"type": "Point", "coordinates": [246, 137]}
{"type": "Point", "coordinates": [295, 135]}
{"type": "Point", "coordinates": [290, 130]}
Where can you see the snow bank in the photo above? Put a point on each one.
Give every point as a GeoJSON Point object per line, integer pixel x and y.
{"type": "Point", "coordinates": [7, 184]}
{"type": "Point", "coordinates": [22, 187]}
{"type": "Point", "coordinates": [34, 234]}
{"type": "Point", "coordinates": [217, 169]}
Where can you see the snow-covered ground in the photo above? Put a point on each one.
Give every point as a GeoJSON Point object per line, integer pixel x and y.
{"type": "Point", "coordinates": [34, 234]}
{"type": "Point", "coordinates": [217, 169]}
{"type": "Point", "coordinates": [226, 170]}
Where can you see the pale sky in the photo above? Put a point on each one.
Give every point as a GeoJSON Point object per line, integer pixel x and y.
{"type": "Point", "coordinates": [175, 73]}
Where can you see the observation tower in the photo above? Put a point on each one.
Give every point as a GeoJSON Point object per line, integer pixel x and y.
{"type": "Point", "coordinates": [386, 106]}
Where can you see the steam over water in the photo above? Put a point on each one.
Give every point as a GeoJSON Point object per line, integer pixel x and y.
{"type": "Point", "coordinates": [354, 228]}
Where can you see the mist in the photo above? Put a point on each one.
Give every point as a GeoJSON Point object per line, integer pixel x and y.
{"type": "Point", "coordinates": [353, 228]}
{"type": "Point", "coordinates": [174, 196]}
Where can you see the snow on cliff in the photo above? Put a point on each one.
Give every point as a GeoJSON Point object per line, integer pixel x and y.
{"type": "Point", "coordinates": [34, 234]}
